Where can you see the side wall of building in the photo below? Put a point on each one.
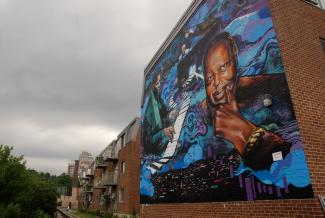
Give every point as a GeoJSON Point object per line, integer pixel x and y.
{"type": "Point", "coordinates": [129, 181]}
{"type": "Point", "coordinates": [298, 26]}
{"type": "Point", "coordinates": [96, 194]}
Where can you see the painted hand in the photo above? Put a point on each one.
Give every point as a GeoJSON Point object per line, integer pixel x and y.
{"type": "Point", "coordinates": [231, 125]}
{"type": "Point", "coordinates": [169, 132]}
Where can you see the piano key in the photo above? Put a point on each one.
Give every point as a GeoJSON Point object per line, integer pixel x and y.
{"type": "Point", "coordinates": [153, 171]}
{"type": "Point", "coordinates": [156, 165]}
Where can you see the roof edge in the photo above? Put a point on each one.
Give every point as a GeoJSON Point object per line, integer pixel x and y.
{"type": "Point", "coordinates": [179, 25]}
{"type": "Point", "coordinates": [136, 119]}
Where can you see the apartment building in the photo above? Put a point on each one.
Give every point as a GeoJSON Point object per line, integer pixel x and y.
{"type": "Point", "coordinates": [87, 187]}
{"type": "Point", "coordinates": [111, 183]}
{"type": "Point", "coordinates": [70, 170]}
{"type": "Point", "coordinates": [85, 159]}
{"type": "Point", "coordinates": [128, 169]}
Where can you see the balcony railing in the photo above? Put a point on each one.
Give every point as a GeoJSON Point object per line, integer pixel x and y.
{"type": "Point", "coordinates": [89, 172]}
{"type": "Point", "coordinates": [89, 183]}
{"type": "Point", "coordinates": [88, 189]}
{"type": "Point", "coordinates": [100, 162]}
{"type": "Point", "coordinates": [110, 156]}
{"type": "Point", "coordinates": [98, 184]}
{"type": "Point", "coordinates": [110, 178]}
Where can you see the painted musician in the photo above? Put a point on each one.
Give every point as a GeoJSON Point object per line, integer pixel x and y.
{"type": "Point", "coordinates": [254, 143]}
{"type": "Point", "coordinates": [158, 130]}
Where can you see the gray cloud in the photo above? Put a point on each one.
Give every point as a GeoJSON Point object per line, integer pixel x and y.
{"type": "Point", "coordinates": [71, 71]}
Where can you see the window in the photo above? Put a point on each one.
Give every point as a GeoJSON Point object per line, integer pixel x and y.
{"type": "Point", "coordinates": [322, 41]}
{"type": "Point", "coordinates": [123, 167]}
{"type": "Point", "coordinates": [122, 140]}
{"type": "Point", "coordinates": [121, 195]}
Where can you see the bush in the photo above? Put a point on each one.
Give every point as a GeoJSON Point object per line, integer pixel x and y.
{"type": "Point", "coordinates": [134, 214]}
{"type": "Point", "coordinates": [40, 214]}
{"type": "Point", "coordinates": [82, 210]}
{"type": "Point", "coordinates": [108, 215]}
{"type": "Point", "coordinates": [12, 210]}
{"type": "Point", "coordinates": [19, 186]}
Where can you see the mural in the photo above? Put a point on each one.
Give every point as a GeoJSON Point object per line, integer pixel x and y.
{"type": "Point", "coordinates": [217, 118]}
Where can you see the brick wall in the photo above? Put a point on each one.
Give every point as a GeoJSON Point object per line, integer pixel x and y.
{"type": "Point", "coordinates": [97, 192]}
{"type": "Point", "coordinates": [298, 28]}
{"type": "Point", "coordinates": [75, 174]}
{"type": "Point", "coordinates": [298, 32]}
{"type": "Point", "coordinates": [130, 179]}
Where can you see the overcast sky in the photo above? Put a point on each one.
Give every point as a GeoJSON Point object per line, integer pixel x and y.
{"type": "Point", "coordinates": [71, 72]}
{"type": "Point", "coordinates": [322, 3]}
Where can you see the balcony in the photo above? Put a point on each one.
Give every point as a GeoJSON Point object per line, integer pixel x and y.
{"type": "Point", "coordinates": [99, 185]}
{"type": "Point", "coordinates": [89, 183]}
{"type": "Point", "coordinates": [112, 156]}
{"type": "Point", "coordinates": [110, 179]}
{"type": "Point", "coordinates": [100, 163]}
{"type": "Point", "coordinates": [83, 182]}
{"type": "Point", "coordinates": [88, 189]}
{"type": "Point", "coordinates": [89, 173]}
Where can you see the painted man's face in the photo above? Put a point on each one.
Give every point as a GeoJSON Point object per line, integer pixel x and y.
{"type": "Point", "coordinates": [219, 74]}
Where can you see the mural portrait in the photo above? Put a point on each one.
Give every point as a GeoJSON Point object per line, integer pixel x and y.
{"type": "Point", "coordinates": [217, 117]}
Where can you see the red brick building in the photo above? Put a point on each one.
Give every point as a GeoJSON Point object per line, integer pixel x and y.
{"type": "Point", "coordinates": [112, 182]}
{"type": "Point", "coordinates": [128, 170]}
{"type": "Point", "coordinates": [300, 29]}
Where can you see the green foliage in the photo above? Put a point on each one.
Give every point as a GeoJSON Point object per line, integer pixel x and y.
{"type": "Point", "coordinates": [40, 214]}
{"type": "Point", "coordinates": [41, 194]}
{"type": "Point", "coordinates": [9, 211]}
{"type": "Point", "coordinates": [64, 180]}
{"type": "Point", "coordinates": [24, 193]}
{"type": "Point", "coordinates": [134, 213]}
{"type": "Point", "coordinates": [108, 215]}
{"type": "Point", "coordinates": [82, 210]}
{"type": "Point", "coordinates": [85, 213]}
{"type": "Point", "coordinates": [13, 176]}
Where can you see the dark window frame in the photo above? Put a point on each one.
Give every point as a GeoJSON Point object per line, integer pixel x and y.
{"type": "Point", "coordinates": [121, 195]}
{"type": "Point", "coordinates": [123, 167]}
{"type": "Point", "coordinates": [322, 42]}
{"type": "Point", "coordinates": [122, 138]}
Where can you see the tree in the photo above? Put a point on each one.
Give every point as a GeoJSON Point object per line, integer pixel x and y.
{"type": "Point", "coordinates": [13, 176]}
{"type": "Point", "coordinates": [64, 180]}
{"type": "Point", "coordinates": [39, 194]}
{"type": "Point", "coordinates": [9, 211]}
{"type": "Point", "coordinates": [24, 193]}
